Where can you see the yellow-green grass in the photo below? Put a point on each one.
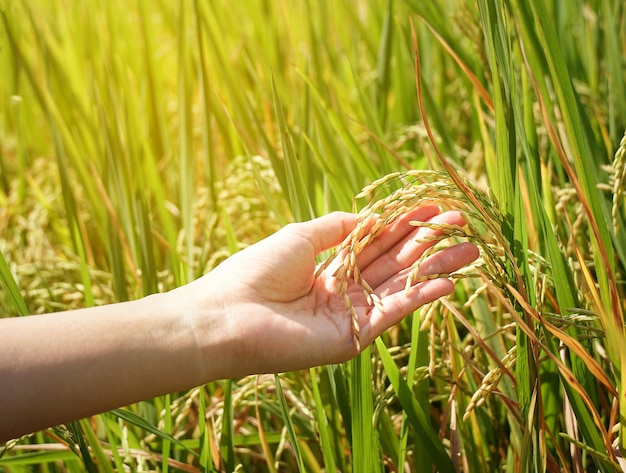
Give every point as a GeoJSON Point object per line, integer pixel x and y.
{"type": "Point", "coordinates": [142, 142]}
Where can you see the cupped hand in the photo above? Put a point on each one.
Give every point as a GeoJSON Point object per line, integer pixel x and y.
{"type": "Point", "coordinates": [280, 317]}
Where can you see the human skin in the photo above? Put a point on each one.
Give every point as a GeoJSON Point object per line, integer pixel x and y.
{"type": "Point", "coordinates": [260, 311]}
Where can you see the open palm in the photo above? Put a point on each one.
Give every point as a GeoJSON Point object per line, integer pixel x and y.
{"type": "Point", "coordinates": [287, 319]}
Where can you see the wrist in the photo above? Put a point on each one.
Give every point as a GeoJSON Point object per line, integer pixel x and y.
{"type": "Point", "coordinates": [203, 328]}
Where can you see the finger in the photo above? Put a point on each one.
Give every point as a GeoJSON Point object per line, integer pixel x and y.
{"type": "Point", "coordinates": [327, 231]}
{"type": "Point", "coordinates": [449, 259]}
{"type": "Point", "coordinates": [399, 305]}
{"type": "Point", "coordinates": [445, 261]}
{"type": "Point", "coordinates": [396, 232]}
{"type": "Point", "coordinates": [407, 251]}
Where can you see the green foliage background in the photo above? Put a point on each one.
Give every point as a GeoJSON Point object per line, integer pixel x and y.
{"type": "Point", "coordinates": [141, 142]}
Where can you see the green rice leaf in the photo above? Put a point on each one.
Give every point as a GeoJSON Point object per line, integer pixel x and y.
{"type": "Point", "coordinates": [103, 461]}
{"type": "Point", "coordinates": [143, 424]}
{"type": "Point", "coordinates": [289, 424]}
{"type": "Point", "coordinates": [37, 458]}
{"type": "Point", "coordinates": [227, 441]}
{"type": "Point", "coordinates": [416, 416]}
{"type": "Point", "coordinates": [83, 445]}
{"type": "Point", "coordinates": [322, 424]}
{"type": "Point", "coordinates": [11, 287]}
{"type": "Point", "coordinates": [300, 202]}
{"type": "Point", "coordinates": [365, 442]}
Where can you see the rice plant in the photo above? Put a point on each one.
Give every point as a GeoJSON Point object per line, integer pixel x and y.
{"type": "Point", "coordinates": [143, 142]}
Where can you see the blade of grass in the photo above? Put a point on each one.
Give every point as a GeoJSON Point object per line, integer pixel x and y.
{"type": "Point", "coordinates": [185, 141]}
{"type": "Point", "coordinates": [14, 295]}
{"type": "Point", "coordinates": [205, 91]}
{"type": "Point", "coordinates": [143, 424]}
{"type": "Point", "coordinates": [103, 461]}
{"type": "Point", "coordinates": [322, 424]}
{"type": "Point", "coordinates": [79, 438]}
{"type": "Point", "coordinates": [439, 458]}
{"type": "Point", "coordinates": [365, 443]}
{"type": "Point", "coordinates": [75, 223]}
{"type": "Point", "coordinates": [113, 439]}
{"type": "Point", "coordinates": [383, 65]}
{"type": "Point", "coordinates": [339, 392]}
{"type": "Point", "coordinates": [159, 139]}
{"type": "Point", "coordinates": [474, 453]}
{"type": "Point", "coordinates": [204, 435]}
{"type": "Point", "coordinates": [587, 415]}
{"type": "Point", "coordinates": [335, 126]}
{"type": "Point", "coordinates": [167, 428]}
{"type": "Point", "coordinates": [227, 445]}
{"type": "Point", "coordinates": [267, 452]}
{"type": "Point", "coordinates": [582, 145]}
{"type": "Point", "coordinates": [300, 203]}
{"type": "Point", "coordinates": [419, 356]}
{"type": "Point", "coordinates": [612, 14]}
{"type": "Point", "coordinates": [293, 438]}
{"type": "Point", "coordinates": [14, 462]}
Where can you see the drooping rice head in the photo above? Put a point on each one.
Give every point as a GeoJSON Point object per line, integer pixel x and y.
{"type": "Point", "coordinates": [393, 196]}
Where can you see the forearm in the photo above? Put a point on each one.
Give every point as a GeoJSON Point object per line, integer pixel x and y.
{"type": "Point", "coordinates": [60, 367]}
{"type": "Point", "coordinates": [260, 311]}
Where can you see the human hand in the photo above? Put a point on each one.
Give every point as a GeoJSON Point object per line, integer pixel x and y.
{"type": "Point", "coordinates": [261, 311]}
{"type": "Point", "coordinates": [279, 317]}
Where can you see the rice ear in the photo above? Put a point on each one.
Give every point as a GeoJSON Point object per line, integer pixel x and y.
{"type": "Point", "coordinates": [418, 188]}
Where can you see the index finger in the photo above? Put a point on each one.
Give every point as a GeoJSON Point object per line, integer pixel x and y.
{"type": "Point", "coordinates": [407, 251]}
{"type": "Point", "coordinates": [395, 233]}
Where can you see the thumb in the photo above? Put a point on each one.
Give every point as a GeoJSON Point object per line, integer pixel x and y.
{"type": "Point", "coordinates": [327, 231]}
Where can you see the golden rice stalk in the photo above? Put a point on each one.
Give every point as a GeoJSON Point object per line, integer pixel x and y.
{"type": "Point", "coordinates": [394, 195]}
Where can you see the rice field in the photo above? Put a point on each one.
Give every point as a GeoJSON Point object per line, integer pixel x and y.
{"type": "Point", "coordinates": [143, 142]}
